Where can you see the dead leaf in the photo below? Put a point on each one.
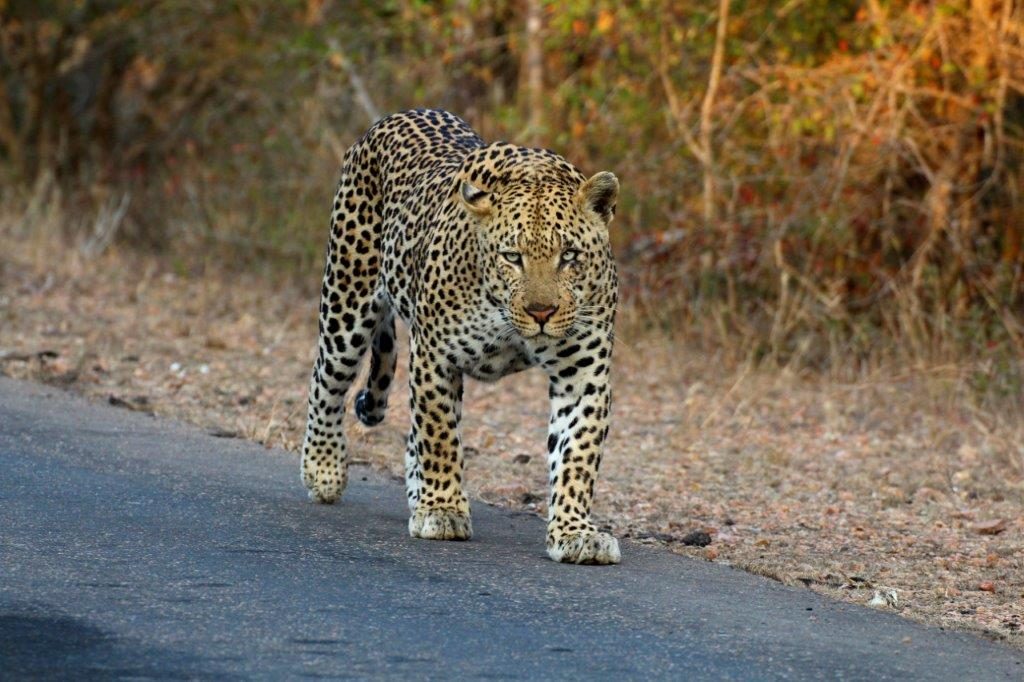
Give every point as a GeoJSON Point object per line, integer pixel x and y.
{"type": "Point", "coordinates": [216, 343]}
{"type": "Point", "coordinates": [605, 21]}
{"type": "Point", "coordinates": [993, 527]}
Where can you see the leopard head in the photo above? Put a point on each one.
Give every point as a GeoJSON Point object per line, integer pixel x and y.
{"type": "Point", "coordinates": [543, 237]}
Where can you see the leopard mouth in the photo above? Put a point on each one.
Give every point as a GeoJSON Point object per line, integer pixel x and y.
{"type": "Point", "coordinates": [546, 331]}
{"type": "Point", "coordinates": [550, 329]}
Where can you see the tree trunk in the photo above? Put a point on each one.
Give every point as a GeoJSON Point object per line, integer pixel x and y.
{"type": "Point", "coordinates": [533, 70]}
{"type": "Point", "coordinates": [706, 110]}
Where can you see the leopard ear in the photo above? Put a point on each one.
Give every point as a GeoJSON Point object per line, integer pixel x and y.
{"type": "Point", "coordinates": [598, 194]}
{"type": "Point", "coordinates": [475, 199]}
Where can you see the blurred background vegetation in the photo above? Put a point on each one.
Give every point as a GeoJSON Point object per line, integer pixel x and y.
{"type": "Point", "coordinates": [817, 183]}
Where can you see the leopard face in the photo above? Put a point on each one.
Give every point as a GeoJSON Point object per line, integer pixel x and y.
{"type": "Point", "coordinates": [544, 249]}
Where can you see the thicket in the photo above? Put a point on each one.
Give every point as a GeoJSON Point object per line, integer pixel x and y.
{"type": "Point", "coordinates": [810, 181]}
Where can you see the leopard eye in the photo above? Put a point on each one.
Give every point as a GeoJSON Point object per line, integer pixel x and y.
{"type": "Point", "coordinates": [512, 257]}
{"type": "Point", "coordinates": [569, 256]}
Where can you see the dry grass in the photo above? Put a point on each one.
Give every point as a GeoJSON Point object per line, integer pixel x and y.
{"type": "Point", "coordinates": [886, 483]}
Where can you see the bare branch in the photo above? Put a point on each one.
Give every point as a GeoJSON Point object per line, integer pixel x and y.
{"type": "Point", "coordinates": [362, 95]}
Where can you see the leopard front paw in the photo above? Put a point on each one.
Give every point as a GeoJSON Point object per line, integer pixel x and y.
{"type": "Point", "coordinates": [325, 481]}
{"type": "Point", "coordinates": [584, 547]}
{"type": "Point", "coordinates": [434, 523]}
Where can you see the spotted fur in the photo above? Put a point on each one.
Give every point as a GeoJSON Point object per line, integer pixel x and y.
{"type": "Point", "coordinates": [497, 259]}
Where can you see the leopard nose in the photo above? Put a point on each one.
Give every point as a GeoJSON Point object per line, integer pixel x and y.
{"type": "Point", "coordinates": [541, 312]}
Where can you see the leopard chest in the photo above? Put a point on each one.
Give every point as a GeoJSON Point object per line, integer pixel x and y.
{"type": "Point", "coordinates": [489, 362]}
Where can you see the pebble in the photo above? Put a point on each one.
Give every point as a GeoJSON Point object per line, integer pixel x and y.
{"type": "Point", "coordinates": [697, 538]}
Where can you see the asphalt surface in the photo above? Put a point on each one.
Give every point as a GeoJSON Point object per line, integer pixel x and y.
{"type": "Point", "coordinates": [133, 547]}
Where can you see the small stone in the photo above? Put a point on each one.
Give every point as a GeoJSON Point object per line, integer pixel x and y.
{"type": "Point", "coordinates": [987, 586]}
{"type": "Point", "coordinates": [530, 498]}
{"type": "Point", "coordinates": [521, 458]}
{"type": "Point", "coordinates": [697, 538]}
{"type": "Point", "coordinates": [885, 598]}
{"type": "Point", "coordinates": [139, 403]}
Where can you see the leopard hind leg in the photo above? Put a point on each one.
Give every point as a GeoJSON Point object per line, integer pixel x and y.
{"type": "Point", "coordinates": [372, 401]}
{"type": "Point", "coordinates": [349, 313]}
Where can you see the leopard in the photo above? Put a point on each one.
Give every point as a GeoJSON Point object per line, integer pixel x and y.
{"type": "Point", "coordinates": [497, 259]}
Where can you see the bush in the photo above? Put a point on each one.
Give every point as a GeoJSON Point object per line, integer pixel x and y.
{"type": "Point", "coordinates": [814, 182]}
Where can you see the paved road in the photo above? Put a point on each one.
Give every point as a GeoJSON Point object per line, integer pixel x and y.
{"type": "Point", "coordinates": [135, 547]}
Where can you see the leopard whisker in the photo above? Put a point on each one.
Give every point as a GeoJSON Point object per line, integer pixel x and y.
{"type": "Point", "coordinates": [583, 325]}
